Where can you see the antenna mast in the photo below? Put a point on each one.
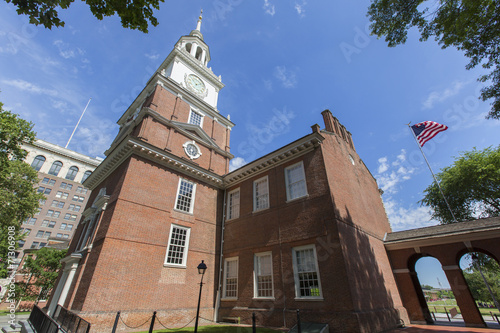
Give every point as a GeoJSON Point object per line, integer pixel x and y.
{"type": "Point", "coordinates": [78, 123]}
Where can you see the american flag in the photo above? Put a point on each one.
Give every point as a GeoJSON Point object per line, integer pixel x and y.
{"type": "Point", "coordinates": [426, 130]}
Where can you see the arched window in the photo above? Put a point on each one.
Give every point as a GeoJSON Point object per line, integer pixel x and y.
{"type": "Point", "coordinates": [38, 162]}
{"type": "Point", "coordinates": [86, 175]}
{"type": "Point", "coordinates": [72, 173]}
{"type": "Point", "coordinates": [198, 53]}
{"type": "Point", "coordinates": [55, 168]}
{"type": "Point", "coordinates": [188, 47]}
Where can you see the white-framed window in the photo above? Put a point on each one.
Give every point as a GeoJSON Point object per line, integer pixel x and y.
{"type": "Point", "coordinates": [306, 273]}
{"type": "Point", "coordinates": [295, 180]}
{"type": "Point", "coordinates": [185, 196]}
{"type": "Point", "coordinates": [263, 275]}
{"type": "Point", "coordinates": [261, 194]}
{"type": "Point", "coordinates": [178, 244]}
{"type": "Point", "coordinates": [233, 204]}
{"type": "Point", "coordinates": [230, 278]}
{"type": "Point", "coordinates": [195, 118]}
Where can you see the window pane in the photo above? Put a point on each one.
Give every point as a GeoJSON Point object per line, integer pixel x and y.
{"type": "Point", "coordinates": [177, 246]}
{"type": "Point", "coordinates": [261, 192]}
{"type": "Point", "coordinates": [195, 118]}
{"type": "Point", "coordinates": [296, 183]}
{"type": "Point", "coordinates": [263, 274]}
{"type": "Point", "coordinates": [55, 168]}
{"type": "Point", "coordinates": [234, 205]}
{"type": "Point", "coordinates": [72, 173]}
{"type": "Point", "coordinates": [86, 175]}
{"type": "Point", "coordinates": [231, 281]}
{"type": "Point", "coordinates": [184, 196]}
{"type": "Point", "coordinates": [38, 162]}
{"type": "Point", "coordinates": [307, 275]}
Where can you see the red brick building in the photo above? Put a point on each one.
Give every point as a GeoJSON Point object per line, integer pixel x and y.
{"type": "Point", "coordinates": [300, 228]}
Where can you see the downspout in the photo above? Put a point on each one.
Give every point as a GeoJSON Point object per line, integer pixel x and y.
{"type": "Point", "coordinates": [282, 276]}
{"type": "Point", "coordinates": [217, 301]}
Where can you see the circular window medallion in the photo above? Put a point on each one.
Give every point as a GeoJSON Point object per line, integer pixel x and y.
{"type": "Point", "coordinates": [192, 150]}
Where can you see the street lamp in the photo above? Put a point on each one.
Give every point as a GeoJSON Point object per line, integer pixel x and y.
{"type": "Point", "coordinates": [201, 270]}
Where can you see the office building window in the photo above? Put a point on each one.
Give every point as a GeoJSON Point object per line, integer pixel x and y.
{"type": "Point", "coordinates": [230, 278]}
{"type": "Point", "coordinates": [38, 162]}
{"type": "Point", "coordinates": [30, 221]}
{"type": "Point", "coordinates": [233, 204]}
{"type": "Point", "coordinates": [185, 196]}
{"type": "Point", "coordinates": [263, 275]}
{"type": "Point", "coordinates": [260, 194]}
{"type": "Point", "coordinates": [295, 179]}
{"type": "Point", "coordinates": [55, 168]}
{"type": "Point", "coordinates": [86, 175]}
{"type": "Point", "coordinates": [306, 273]}
{"type": "Point", "coordinates": [177, 246]}
{"type": "Point", "coordinates": [66, 186]}
{"type": "Point", "coordinates": [72, 173]}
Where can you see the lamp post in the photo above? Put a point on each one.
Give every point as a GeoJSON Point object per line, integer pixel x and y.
{"type": "Point", "coordinates": [201, 270]}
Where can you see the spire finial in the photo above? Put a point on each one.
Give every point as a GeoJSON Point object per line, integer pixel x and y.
{"type": "Point", "coordinates": [198, 25]}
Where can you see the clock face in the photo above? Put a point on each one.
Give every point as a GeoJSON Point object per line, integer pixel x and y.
{"type": "Point", "coordinates": [192, 150]}
{"type": "Point", "coordinates": [195, 83]}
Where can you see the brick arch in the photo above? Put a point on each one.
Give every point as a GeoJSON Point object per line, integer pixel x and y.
{"type": "Point", "coordinates": [447, 244]}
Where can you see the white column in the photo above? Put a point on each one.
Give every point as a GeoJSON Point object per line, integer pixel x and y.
{"type": "Point", "coordinates": [203, 55]}
{"type": "Point", "coordinates": [194, 47]}
{"type": "Point", "coordinates": [66, 280]}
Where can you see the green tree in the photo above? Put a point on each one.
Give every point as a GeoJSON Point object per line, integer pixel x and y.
{"type": "Point", "coordinates": [18, 197]}
{"type": "Point", "coordinates": [41, 271]}
{"type": "Point", "coordinates": [491, 272]}
{"type": "Point", "coordinates": [471, 186]}
{"type": "Point", "coordinates": [134, 14]}
{"type": "Point", "coordinates": [472, 26]}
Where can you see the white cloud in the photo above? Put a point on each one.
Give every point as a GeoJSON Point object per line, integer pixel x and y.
{"type": "Point", "coordinates": [268, 84]}
{"type": "Point", "coordinates": [29, 87]}
{"type": "Point", "coordinates": [441, 96]}
{"type": "Point", "coordinates": [389, 175]}
{"type": "Point", "coordinates": [383, 167]}
{"type": "Point", "coordinates": [236, 163]}
{"type": "Point", "coordinates": [288, 78]}
{"type": "Point", "coordinates": [152, 56]}
{"type": "Point", "coordinates": [269, 8]}
{"type": "Point", "coordinates": [402, 218]}
{"type": "Point", "coordinates": [300, 8]}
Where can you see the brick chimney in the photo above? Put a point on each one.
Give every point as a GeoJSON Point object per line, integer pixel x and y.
{"type": "Point", "coordinates": [329, 121]}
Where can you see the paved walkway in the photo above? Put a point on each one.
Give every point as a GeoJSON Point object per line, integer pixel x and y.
{"type": "Point", "coordinates": [443, 329]}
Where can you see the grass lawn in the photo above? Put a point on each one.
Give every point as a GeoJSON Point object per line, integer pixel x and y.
{"type": "Point", "coordinates": [220, 328]}
{"type": "Point", "coordinates": [6, 312]}
{"type": "Point", "coordinates": [439, 306]}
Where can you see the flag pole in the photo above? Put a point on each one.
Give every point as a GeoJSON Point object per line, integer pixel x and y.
{"type": "Point", "coordinates": [432, 172]}
{"type": "Point", "coordinates": [78, 123]}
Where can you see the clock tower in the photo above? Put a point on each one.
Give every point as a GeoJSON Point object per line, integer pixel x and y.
{"type": "Point", "coordinates": [156, 206]}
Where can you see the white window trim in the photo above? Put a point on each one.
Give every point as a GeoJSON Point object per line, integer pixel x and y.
{"type": "Point", "coordinates": [186, 248]}
{"type": "Point", "coordinates": [191, 207]}
{"type": "Point", "coordinates": [255, 282]}
{"type": "Point", "coordinates": [287, 185]}
{"type": "Point", "coordinates": [225, 278]}
{"type": "Point", "coordinates": [296, 273]}
{"type": "Point", "coordinates": [255, 198]}
{"type": "Point", "coordinates": [198, 113]}
{"type": "Point", "coordinates": [229, 207]}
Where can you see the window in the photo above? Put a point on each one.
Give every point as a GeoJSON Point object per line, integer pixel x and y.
{"type": "Point", "coordinates": [75, 208]}
{"type": "Point", "coordinates": [260, 194]}
{"type": "Point", "coordinates": [45, 180]}
{"type": "Point", "coordinates": [43, 234]}
{"type": "Point", "coordinates": [55, 168]}
{"type": "Point", "coordinates": [65, 236]}
{"type": "Point", "coordinates": [295, 181]}
{"type": "Point", "coordinates": [21, 243]}
{"type": "Point", "coordinates": [70, 217]}
{"type": "Point", "coordinates": [59, 235]}
{"type": "Point", "coordinates": [26, 231]}
{"type": "Point", "coordinates": [231, 278]}
{"type": "Point", "coordinates": [38, 162]}
{"type": "Point", "coordinates": [48, 224]}
{"type": "Point", "coordinates": [30, 221]}
{"type": "Point", "coordinates": [82, 190]}
{"type": "Point", "coordinates": [35, 245]}
{"type": "Point", "coordinates": [42, 245]}
{"type": "Point", "coordinates": [62, 195]}
{"type": "Point", "coordinates": [195, 118]}
{"type": "Point", "coordinates": [263, 275]}
{"type": "Point", "coordinates": [58, 204]}
{"type": "Point", "coordinates": [72, 173]}
{"type": "Point", "coordinates": [86, 175]}
{"type": "Point", "coordinates": [78, 198]}
{"type": "Point", "coordinates": [44, 190]}
{"type": "Point", "coordinates": [305, 271]}
{"type": "Point", "coordinates": [177, 246]}
{"type": "Point", "coordinates": [185, 196]}
{"type": "Point", "coordinates": [42, 201]}
{"type": "Point", "coordinates": [233, 204]}
{"type": "Point", "coordinates": [50, 212]}
{"type": "Point", "coordinates": [66, 186]}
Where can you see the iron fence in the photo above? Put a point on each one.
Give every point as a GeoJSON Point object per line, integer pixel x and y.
{"type": "Point", "coordinates": [42, 323]}
{"type": "Point", "coordinates": [70, 322]}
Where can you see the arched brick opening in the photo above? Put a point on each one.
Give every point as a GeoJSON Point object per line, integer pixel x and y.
{"type": "Point", "coordinates": [446, 243]}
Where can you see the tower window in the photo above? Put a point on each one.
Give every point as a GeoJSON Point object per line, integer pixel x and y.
{"type": "Point", "coordinates": [178, 246]}
{"type": "Point", "coordinates": [38, 162]}
{"type": "Point", "coordinates": [195, 118]}
{"type": "Point", "coordinates": [295, 181]}
{"type": "Point", "coordinates": [188, 47]}
{"type": "Point", "coordinates": [55, 168]}
{"type": "Point", "coordinates": [72, 173]}
{"type": "Point", "coordinates": [260, 194]}
{"type": "Point", "coordinates": [231, 278]}
{"type": "Point", "coordinates": [185, 196]}
{"type": "Point", "coordinates": [198, 53]}
{"type": "Point", "coordinates": [305, 271]}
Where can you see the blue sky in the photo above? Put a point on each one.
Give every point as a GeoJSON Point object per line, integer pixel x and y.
{"type": "Point", "coordinates": [286, 59]}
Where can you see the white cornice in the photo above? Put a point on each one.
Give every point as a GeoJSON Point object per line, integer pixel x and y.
{"type": "Point", "coordinates": [280, 156]}
{"type": "Point", "coordinates": [94, 162]}
{"type": "Point", "coordinates": [130, 146]}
